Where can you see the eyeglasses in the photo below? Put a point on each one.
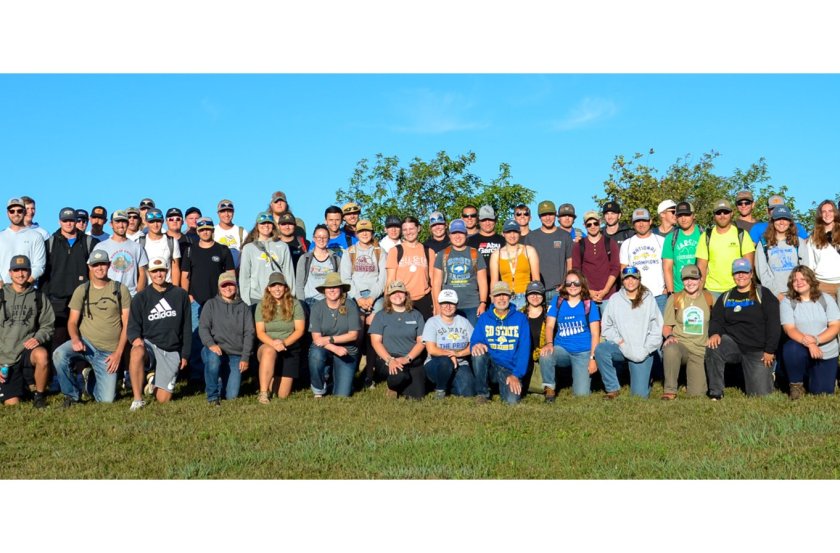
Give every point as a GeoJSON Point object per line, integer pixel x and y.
{"type": "Point", "coordinates": [569, 284]}
{"type": "Point", "coordinates": [592, 224]}
{"type": "Point", "coordinates": [523, 213]}
{"type": "Point", "coordinates": [671, 211]}
{"type": "Point", "coordinates": [469, 215]}
{"type": "Point", "coordinates": [723, 212]}
{"type": "Point", "coordinates": [15, 211]}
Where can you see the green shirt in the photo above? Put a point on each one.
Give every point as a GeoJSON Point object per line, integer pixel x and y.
{"type": "Point", "coordinates": [682, 252]}
{"type": "Point", "coordinates": [104, 325]}
{"type": "Point", "coordinates": [278, 328]}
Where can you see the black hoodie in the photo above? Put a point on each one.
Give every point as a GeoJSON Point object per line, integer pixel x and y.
{"type": "Point", "coordinates": [163, 318]}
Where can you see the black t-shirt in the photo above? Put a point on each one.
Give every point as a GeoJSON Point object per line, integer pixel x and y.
{"type": "Point", "coordinates": [535, 326]}
{"type": "Point", "coordinates": [296, 250]}
{"type": "Point", "coordinates": [437, 246]}
{"type": "Point", "coordinates": [204, 266]}
{"type": "Point", "coordinates": [486, 245]}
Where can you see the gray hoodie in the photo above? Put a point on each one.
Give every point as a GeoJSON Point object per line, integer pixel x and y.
{"type": "Point", "coordinates": [18, 322]}
{"type": "Point", "coordinates": [640, 328]}
{"type": "Point", "coordinates": [227, 325]}
{"type": "Point", "coordinates": [255, 267]}
{"type": "Point", "coordinates": [366, 275]}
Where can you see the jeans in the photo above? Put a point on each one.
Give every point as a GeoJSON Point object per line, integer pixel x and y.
{"type": "Point", "coordinates": [224, 367]}
{"type": "Point", "coordinates": [106, 383]}
{"type": "Point", "coordinates": [607, 354]}
{"type": "Point", "coordinates": [441, 372]}
{"type": "Point", "coordinates": [821, 372]}
{"type": "Point", "coordinates": [758, 379]}
{"type": "Point", "coordinates": [196, 364]}
{"type": "Point", "coordinates": [579, 362]}
{"type": "Point", "coordinates": [661, 300]}
{"type": "Point", "coordinates": [469, 313]}
{"type": "Point", "coordinates": [343, 368]}
{"type": "Point", "coordinates": [483, 366]}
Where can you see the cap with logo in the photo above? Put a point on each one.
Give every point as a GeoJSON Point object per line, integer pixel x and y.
{"type": "Point", "coordinates": [227, 277]}
{"type": "Point", "coordinates": [81, 215]}
{"type": "Point", "coordinates": [448, 296]}
{"type": "Point", "coordinates": [690, 271]}
{"type": "Point", "coordinates": [265, 217]}
{"type": "Point", "coordinates": [486, 212]}
{"type": "Point", "coordinates": [392, 221]}
{"type": "Point", "coordinates": [158, 264]}
{"type": "Point", "coordinates": [611, 207]}
{"type": "Point", "coordinates": [545, 207]}
{"type": "Point", "coordinates": [640, 214]}
{"type": "Point", "coordinates": [511, 226]}
{"type": "Point", "coordinates": [191, 210]}
{"type": "Point", "coordinates": [535, 287]}
{"type": "Point", "coordinates": [20, 262]}
{"type": "Point", "coordinates": [364, 224]}
{"type": "Point", "coordinates": [15, 202]}
{"type": "Point", "coordinates": [278, 196]}
{"type": "Point", "coordinates": [174, 212]}
{"type": "Point", "coordinates": [665, 205]}
{"type": "Point", "coordinates": [396, 286]}
{"type": "Point", "coordinates": [741, 265]}
{"type": "Point", "coordinates": [147, 203]}
{"type": "Point", "coordinates": [350, 207]}
{"type": "Point", "coordinates": [744, 195]}
{"type": "Point", "coordinates": [154, 214]}
{"type": "Point", "coordinates": [224, 205]}
{"type": "Point", "coordinates": [457, 225]}
{"type": "Point", "coordinates": [132, 211]}
{"type": "Point", "coordinates": [98, 256]}
{"type": "Point", "coordinates": [722, 205]}
{"type": "Point", "coordinates": [436, 218]}
{"type": "Point", "coordinates": [119, 215]}
{"type": "Point", "coordinates": [775, 200]}
{"type": "Point", "coordinates": [501, 288]}
{"type": "Point", "coordinates": [204, 222]}
{"type": "Point", "coordinates": [276, 278]}
{"type": "Point", "coordinates": [286, 218]}
{"type": "Point", "coordinates": [67, 214]}
{"type": "Point", "coordinates": [591, 215]}
{"type": "Point", "coordinates": [99, 211]}
{"type": "Point", "coordinates": [566, 209]}
{"type": "Point", "coordinates": [782, 212]}
{"type": "Point", "coordinates": [684, 208]}
{"type": "Point", "coordinates": [630, 271]}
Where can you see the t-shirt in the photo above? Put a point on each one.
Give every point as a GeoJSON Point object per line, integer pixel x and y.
{"type": "Point", "coordinates": [279, 328]}
{"type": "Point", "coordinates": [160, 248]}
{"type": "Point", "coordinates": [232, 238]}
{"type": "Point", "coordinates": [338, 244]}
{"type": "Point", "coordinates": [204, 266]}
{"type": "Point", "coordinates": [682, 253]}
{"type": "Point", "coordinates": [774, 264]}
{"type": "Point", "coordinates": [329, 322]}
{"type": "Point", "coordinates": [104, 328]}
{"type": "Point", "coordinates": [413, 269]}
{"type": "Point", "coordinates": [486, 245]}
{"type": "Point", "coordinates": [449, 336]}
{"type": "Point", "coordinates": [812, 319]}
{"type": "Point", "coordinates": [646, 255]}
{"type": "Point", "coordinates": [723, 249]}
{"type": "Point", "coordinates": [572, 332]}
{"type": "Point", "coordinates": [125, 258]}
{"type": "Point", "coordinates": [690, 321]}
{"type": "Point", "coordinates": [553, 250]}
{"type": "Point", "coordinates": [460, 275]}
{"type": "Point", "coordinates": [399, 331]}
{"type": "Point", "coordinates": [317, 273]}
{"type": "Point", "coordinates": [437, 245]}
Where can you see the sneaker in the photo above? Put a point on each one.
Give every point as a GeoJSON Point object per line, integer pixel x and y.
{"type": "Point", "coordinates": [38, 400]}
{"type": "Point", "coordinates": [482, 400]}
{"type": "Point", "coordinates": [550, 395]}
{"type": "Point", "coordinates": [69, 402]}
{"type": "Point", "coordinates": [797, 390]}
{"type": "Point", "coordinates": [370, 385]}
{"type": "Point", "coordinates": [715, 397]}
{"type": "Point", "coordinates": [216, 403]}
{"type": "Point", "coordinates": [391, 394]}
{"type": "Point", "coordinates": [668, 396]}
{"type": "Point", "coordinates": [86, 380]}
{"type": "Point", "coordinates": [440, 394]}
{"type": "Point", "coordinates": [149, 389]}
{"type": "Point", "coordinates": [137, 404]}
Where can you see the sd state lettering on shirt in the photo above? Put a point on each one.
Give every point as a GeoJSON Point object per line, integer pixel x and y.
{"type": "Point", "coordinates": [508, 331]}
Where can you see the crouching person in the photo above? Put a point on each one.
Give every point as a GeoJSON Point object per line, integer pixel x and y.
{"type": "Point", "coordinates": [501, 348]}
{"type": "Point", "coordinates": [97, 328]}
{"type": "Point", "coordinates": [160, 333]}
{"type": "Point", "coordinates": [447, 339]}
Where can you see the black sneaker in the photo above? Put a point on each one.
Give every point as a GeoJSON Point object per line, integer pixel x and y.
{"type": "Point", "coordinates": [216, 403]}
{"type": "Point", "coordinates": [38, 400]}
{"type": "Point", "coordinates": [68, 402]}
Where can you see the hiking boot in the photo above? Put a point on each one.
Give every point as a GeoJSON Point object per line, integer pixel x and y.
{"type": "Point", "coordinates": [137, 404]}
{"type": "Point", "coordinates": [149, 389]}
{"type": "Point", "coordinates": [797, 390]}
{"type": "Point", "coordinates": [482, 400]}
{"type": "Point", "coordinates": [391, 394]}
{"type": "Point", "coordinates": [550, 395]}
{"type": "Point", "coordinates": [440, 394]}
{"type": "Point", "coordinates": [612, 395]}
{"type": "Point", "coordinates": [216, 403]}
{"type": "Point", "coordinates": [69, 402]}
{"type": "Point", "coordinates": [38, 400]}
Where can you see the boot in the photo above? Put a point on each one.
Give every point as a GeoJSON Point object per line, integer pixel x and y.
{"type": "Point", "coordinates": [797, 390]}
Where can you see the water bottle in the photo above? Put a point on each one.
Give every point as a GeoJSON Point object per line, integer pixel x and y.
{"type": "Point", "coordinates": [4, 371]}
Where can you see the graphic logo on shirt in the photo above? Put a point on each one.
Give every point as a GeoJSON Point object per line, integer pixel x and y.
{"type": "Point", "coordinates": [122, 262]}
{"type": "Point", "coordinates": [558, 244]}
{"type": "Point", "coordinates": [693, 321]}
{"type": "Point", "coordinates": [162, 310]}
{"type": "Point", "coordinates": [227, 241]}
{"type": "Point", "coordinates": [265, 257]}
{"type": "Point", "coordinates": [365, 264]}
{"type": "Point", "coordinates": [459, 270]}
{"type": "Point", "coordinates": [215, 259]}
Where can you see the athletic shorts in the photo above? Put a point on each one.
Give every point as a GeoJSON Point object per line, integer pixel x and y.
{"type": "Point", "coordinates": [166, 365]}
{"type": "Point", "coordinates": [13, 387]}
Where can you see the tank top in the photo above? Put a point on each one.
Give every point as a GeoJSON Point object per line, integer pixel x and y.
{"type": "Point", "coordinates": [516, 272]}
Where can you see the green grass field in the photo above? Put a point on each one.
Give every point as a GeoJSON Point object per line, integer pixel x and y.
{"type": "Point", "coordinates": [369, 436]}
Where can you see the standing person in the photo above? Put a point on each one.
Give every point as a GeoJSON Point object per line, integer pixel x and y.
{"type": "Point", "coordinates": [263, 254]}
{"type": "Point", "coordinates": [393, 230]}
{"type": "Point", "coordinates": [174, 223]}
{"type": "Point", "coordinates": [760, 227]}
{"type": "Point", "coordinates": [350, 213]}
{"type": "Point", "coordinates": [596, 257]}
{"type": "Point", "coordinates": [685, 333]}
{"type": "Point", "coordinates": [313, 267]}
{"type": "Point", "coordinates": [26, 327]}
{"type": "Point", "coordinates": [554, 248]}
{"type": "Point", "coordinates": [680, 247]}
{"type": "Point", "coordinates": [522, 216]}
{"type": "Point", "coordinates": [159, 322]}
{"type": "Point", "coordinates": [191, 217]}
{"type": "Point", "coordinates": [447, 339]}
{"type": "Point", "coordinates": [643, 250]}
{"type": "Point", "coordinates": [286, 232]}
{"type": "Point", "coordinates": [158, 244]}
{"type": "Point", "coordinates": [536, 310]}
{"type": "Point", "coordinates": [82, 221]}
{"type": "Point", "coordinates": [145, 205]}
{"type": "Point", "coordinates": [469, 214]}
{"type": "Point", "coordinates": [778, 251]}
{"type": "Point", "coordinates": [128, 258]}
{"type": "Point", "coordinates": [437, 228]}
{"type": "Point", "coordinates": [97, 327]}
{"type": "Point", "coordinates": [410, 263]}
{"type": "Point", "coordinates": [667, 210]}
{"type": "Point", "coordinates": [226, 329]}
{"type": "Point", "coordinates": [397, 337]}
{"type": "Point", "coordinates": [811, 320]}
{"type": "Point", "coordinates": [486, 240]}
{"type": "Point", "coordinates": [135, 224]}
{"type": "Point", "coordinates": [577, 321]}
{"type": "Point", "coordinates": [631, 326]}
{"type": "Point", "coordinates": [17, 239]}
{"type": "Point", "coordinates": [719, 247]}
{"type": "Point", "coordinates": [338, 241]}
{"type": "Point", "coordinates": [614, 228]}
{"type": "Point", "coordinates": [460, 268]}
{"type": "Point", "coordinates": [227, 233]}
{"type": "Point", "coordinates": [744, 203]}
{"type": "Point", "coordinates": [98, 216]}
{"type": "Point", "coordinates": [335, 325]}
{"type": "Point", "coordinates": [501, 348]}
{"type": "Point", "coordinates": [280, 325]}
{"type": "Point", "coordinates": [566, 219]}
{"type": "Point", "coordinates": [824, 248]}
{"type": "Point", "coordinates": [745, 328]}
{"type": "Point", "coordinates": [29, 218]}
{"type": "Point", "coordinates": [515, 263]}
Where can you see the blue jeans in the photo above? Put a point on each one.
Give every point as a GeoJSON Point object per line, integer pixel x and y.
{"type": "Point", "coordinates": [607, 354]}
{"type": "Point", "coordinates": [224, 367]}
{"type": "Point", "coordinates": [469, 313]}
{"type": "Point", "coordinates": [484, 365]}
{"type": "Point", "coordinates": [441, 372]}
{"type": "Point", "coordinates": [343, 368]}
{"type": "Point", "coordinates": [106, 383]}
{"type": "Point", "coordinates": [821, 372]}
{"type": "Point", "coordinates": [661, 300]}
{"type": "Point", "coordinates": [550, 296]}
{"type": "Point", "coordinates": [579, 362]}
{"type": "Point", "coordinates": [196, 364]}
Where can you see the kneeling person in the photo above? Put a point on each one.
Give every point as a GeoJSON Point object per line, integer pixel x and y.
{"type": "Point", "coordinates": [447, 339]}
{"type": "Point", "coordinates": [160, 332]}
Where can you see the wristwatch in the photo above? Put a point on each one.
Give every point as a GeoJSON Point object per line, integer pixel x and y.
{"type": "Point", "coordinates": [332, 339]}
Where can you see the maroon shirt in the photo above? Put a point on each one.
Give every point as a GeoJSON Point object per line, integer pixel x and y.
{"type": "Point", "coordinates": [596, 265]}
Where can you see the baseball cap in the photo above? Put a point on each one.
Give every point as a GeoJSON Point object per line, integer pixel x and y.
{"type": "Point", "coordinates": [436, 218]}
{"type": "Point", "coordinates": [396, 286]}
{"type": "Point", "coordinates": [191, 210]}
{"type": "Point", "coordinates": [500, 288]}
{"type": "Point", "coordinates": [640, 214]}
{"type": "Point", "coordinates": [775, 200]}
{"type": "Point", "coordinates": [448, 296]}
{"type": "Point", "coordinates": [278, 196]}
{"type": "Point", "coordinates": [20, 262]}
{"type": "Point", "coordinates": [611, 207]}
{"type": "Point", "coordinates": [486, 212]}
{"type": "Point", "coordinates": [119, 215]}
{"type": "Point", "coordinates": [224, 205]}
{"type": "Point", "coordinates": [535, 287]}
{"type": "Point", "coordinates": [684, 208]}
{"type": "Point", "coordinates": [511, 226]}
{"type": "Point", "coordinates": [132, 211]}
{"type": "Point", "coordinates": [174, 212]}
{"type": "Point", "coordinates": [204, 222]}
{"type": "Point", "coordinates": [99, 211]}
{"type": "Point", "coordinates": [722, 205]}
{"type": "Point", "coordinates": [545, 207]}
{"type": "Point", "coordinates": [67, 214]}
{"type": "Point", "coordinates": [630, 271]}
{"type": "Point", "coordinates": [154, 214]}
{"type": "Point", "coordinates": [392, 221]}
{"type": "Point", "coordinates": [265, 217]}
{"type": "Point", "coordinates": [350, 207]}
{"type": "Point", "coordinates": [782, 212]}
{"type": "Point", "coordinates": [98, 256]}
{"type": "Point", "coordinates": [15, 202]}
{"type": "Point", "coordinates": [227, 276]}
{"type": "Point", "coordinates": [665, 204]}
{"type": "Point", "coordinates": [591, 215]}
{"type": "Point", "coordinates": [147, 203]}
{"type": "Point", "coordinates": [364, 224]}
{"type": "Point", "coordinates": [744, 195]}
{"type": "Point", "coordinates": [690, 271]}
{"type": "Point", "coordinates": [81, 214]}
{"type": "Point", "coordinates": [285, 218]}
{"type": "Point", "coordinates": [457, 225]}
{"type": "Point", "coordinates": [566, 209]}
{"type": "Point", "coordinates": [158, 264]}
{"type": "Point", "coordinates": [276, 278]}
{"type": "Point", "coordinates": [741, 265]}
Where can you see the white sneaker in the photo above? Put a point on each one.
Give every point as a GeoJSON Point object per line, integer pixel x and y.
{"type": "Point", "coordinates": [150, 384]}
{"type": "Point", "coordinates": [137, 404]}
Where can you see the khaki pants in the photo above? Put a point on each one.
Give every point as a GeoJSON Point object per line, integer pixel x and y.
{"type": "Point", "coordinates": [676, 355]}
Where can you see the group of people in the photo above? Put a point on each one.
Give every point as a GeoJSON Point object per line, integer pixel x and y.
{"type": "Point", "coordinates": [468, 312]}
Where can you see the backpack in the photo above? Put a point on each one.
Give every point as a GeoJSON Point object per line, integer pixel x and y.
{"type": "Point", "coordinates": [679, 300]}
{"type": "Point", "coordinates": [675, 233]}
{"type": "Point", "coordinates": [757, 294]}
{"type": "Point", "coordinates": [763, 242]}
{"type": "Point", "coordinates": [39, 303]}
{"type": "Point", "coordinates": [587, 307]}
{"type": "Point", "coordinates": [740, 241]}
{"type": "Point", "coordinates": [88, 242]}
{"type": "Point", "coordinates": [377, 252]}
{"type": "Point", "coordinates": [607, 246]}
{"type": "Point", "coordinates": [447, 252]}
{"type": "Point", "coordinates": [170, 243]}
{"type": "Point", "coordinates": [86, 298]}
{"type": "Point", "coordinates": [820, 300]}
{"type": "Point", "coordinates": [401, 251]}
{"type": "Point", "coordinates": [308, 262]}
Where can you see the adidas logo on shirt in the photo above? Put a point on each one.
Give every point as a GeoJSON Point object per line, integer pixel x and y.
{"type": "Point", "coordinates": [162, 310]}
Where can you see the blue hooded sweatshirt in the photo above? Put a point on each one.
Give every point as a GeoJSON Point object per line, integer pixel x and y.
{"type": "Point", "coordinates": [508, 340]}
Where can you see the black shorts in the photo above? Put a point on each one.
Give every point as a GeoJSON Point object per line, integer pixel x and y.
{"type": "Point", "coordinates": [13, 387]}
{"type": "Point", "coordinates": [287, 362]}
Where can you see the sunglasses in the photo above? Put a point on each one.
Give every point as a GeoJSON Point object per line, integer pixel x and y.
{"type": "Point", "coordinates": [469, 215]}
{"type": "Point", "coordinates": [81, 220]}
{"type": "Point", "coordinates": [743, 202]}
{"type": "Point", "coordinates": [569, 284]}
{"type": "Point", "coordinates": [523, 213]}
{"type": "Point", "coordinates": [15, 211]}
{"type": "Point", "coordinates": [592, 224]}
{"type": "Point", "coordinates": [133, 216]}
{"type": "Point", "coordinates": [671, 211]}
{"type": "Point", "coordinates": [724, 212]}
{"type": "Point", "coordinates": [173, 219]}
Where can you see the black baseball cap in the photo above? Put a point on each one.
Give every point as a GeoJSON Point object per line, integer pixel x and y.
{"type": "Point", "coordinates": [99, 211]}
{"type": "Point", "coordinates": [174, 212]}
{"type": "Point", "coordinates": [191, 210]}
{"type": "Point", "coordinates": [81, 214]}
{"type": "Point", "coordinates": [611, 207]}
{"type": "Point", "coordinates": [684, 208]}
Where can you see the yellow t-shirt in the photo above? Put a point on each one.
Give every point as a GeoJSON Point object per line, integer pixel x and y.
{"type": "Point", "coordinates": [724, 250]}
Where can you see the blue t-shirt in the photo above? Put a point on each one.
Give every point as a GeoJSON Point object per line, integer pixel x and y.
{"type": "Point", "coordinates": [573, 334]}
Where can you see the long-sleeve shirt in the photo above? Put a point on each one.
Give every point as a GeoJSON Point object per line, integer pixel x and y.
{"type": "Point", "coordinates": [18, 322]}
{"type": "Point", "coordinates": [508, 339]}
{"type": "Point", "coordinates": [595, 264]}
{"type": "Point", "coordinates": [26, 242]}
{"type": "Point", "coordinates": [229, 325]}
{"type": "Point", "coordinates": [256, 264]}
{"type": "Point", "coordinates": [755, 326]}
{"type": "Point", "coordinates": [365, 272]}
{"type": "Point", "coordinates": [638, 331]}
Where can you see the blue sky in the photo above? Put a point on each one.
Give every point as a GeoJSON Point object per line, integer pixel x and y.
{"type": "Point", "coordinates": [81, 140]}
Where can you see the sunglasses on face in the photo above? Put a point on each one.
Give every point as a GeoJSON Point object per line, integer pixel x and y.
{"type": "Point", "coordinates": [743, 202]}
{"type": "Point", "coordinates": [469, 215]}
{"type": "Point", "coordinates": [15, 211]}
{"type": "Point", "coordinates": [174, 219]}
{"type": "Point", "coordinates": [570, 283]}
{"type": "Point", "coordinates": [718, 213]}
{"type": "Point", "coordinates": [133, 216]}
{"type": "Point", "coordinates": [671, 211]}
{"type": "Point", "coordinates": [592, 224]}
{"type": "Point", "coordinates": [523, 213]}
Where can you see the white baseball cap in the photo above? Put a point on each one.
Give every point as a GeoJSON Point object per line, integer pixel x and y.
{"type": "Point", "coordinates": [448, 296]}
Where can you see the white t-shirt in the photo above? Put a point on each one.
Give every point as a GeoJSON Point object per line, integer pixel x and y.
{"type": "Point", "coordinates": [232, 238]}
{"type": "Point", "coordinates": [159, 248]}
{"type": "Point", "coordinates": [646, 255]}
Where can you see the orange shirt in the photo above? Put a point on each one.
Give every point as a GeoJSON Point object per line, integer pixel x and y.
{"type": "Point", "coordinates": [413, 269]}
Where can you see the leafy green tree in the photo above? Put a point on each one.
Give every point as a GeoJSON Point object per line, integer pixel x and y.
{"type": "Point", "coordinates": [635, 183]}
{"type": "Point", "coordinates": [444, 184]}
